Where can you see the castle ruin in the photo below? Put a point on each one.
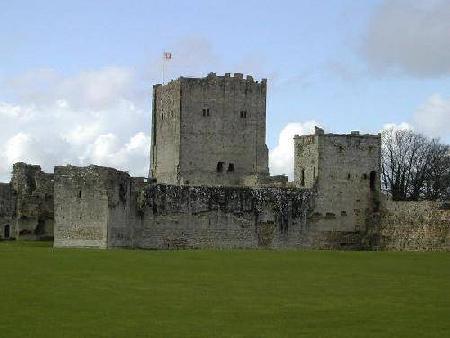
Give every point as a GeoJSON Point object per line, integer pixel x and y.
{"type": "Point", "coordinates": [209, 186]}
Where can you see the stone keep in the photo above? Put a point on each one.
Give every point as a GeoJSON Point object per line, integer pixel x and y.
{"type": "Point", "coordinates": [345, 171]}
{"type": "Point", "coordinates": [209, 131]}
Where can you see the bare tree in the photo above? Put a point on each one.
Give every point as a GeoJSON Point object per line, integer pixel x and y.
{"type": "Point", "coordinates": [414, 167]}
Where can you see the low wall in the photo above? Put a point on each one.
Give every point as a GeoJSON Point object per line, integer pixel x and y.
{"type": "Point", "coordinates": [105, 208]}
{"type": "Point", "coordinates": [222, 217]}
{"type": "Point", "coordinates": [414, 226]}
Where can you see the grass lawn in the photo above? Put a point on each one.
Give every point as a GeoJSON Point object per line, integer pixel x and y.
{"type": "Point", "coordinates": [48, 292]}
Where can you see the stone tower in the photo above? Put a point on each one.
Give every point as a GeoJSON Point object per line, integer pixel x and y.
{"type": "Point", "coordinates": [209, 131]}
{"type": "Point", "coordinates": [345, 170]}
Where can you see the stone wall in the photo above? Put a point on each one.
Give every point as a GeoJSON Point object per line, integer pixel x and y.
{"type": "Point", "coordinates": [7, 211]}
{"type": "Point", "coordinates": [414, 226]}
{"type": "Point", "coordinates": [345, 171]}
{"type": "Point", "coordinates": [165, 147]}
{"type": "Point", "coordinates": [33, 190]}
{"type": "Point", "coordinates": [86, 200]}
{"type": "Point", "coordinates": [102, 207]}
{"type": "Point", "coordinates": [223, 217]}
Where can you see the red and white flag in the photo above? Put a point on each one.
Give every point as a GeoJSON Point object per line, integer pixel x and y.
{"type": "Point", "coordinates": [167, 55]}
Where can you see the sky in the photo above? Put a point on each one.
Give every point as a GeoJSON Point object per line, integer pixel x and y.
{"type": "Point", "coordinates": [76, 76]}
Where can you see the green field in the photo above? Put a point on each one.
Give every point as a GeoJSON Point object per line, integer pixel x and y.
{"type": "Point", "coordinates": [48, 292]}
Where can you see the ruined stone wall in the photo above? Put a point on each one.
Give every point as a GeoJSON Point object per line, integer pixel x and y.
{"type": "Point", "coordinates": [347, 180]}
{"type": "Point", "coordinates": [106, 208]}
{"type": "Point", "coordinates": [103, 207]}
{"type": "Point", "coordinates": [165, 147]}
{"type": "Point", "coordinates": [33, 190]}
{"type": "Point", "coordinates": [419, 226]}
{"type": "Point", "coordinates": [223, 217]}
{"type": "Point", "coordinates": [87, 201]}
{"type": "Point", "coordinates": [7, 211]}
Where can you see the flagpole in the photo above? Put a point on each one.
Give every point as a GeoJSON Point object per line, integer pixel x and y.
{"type": "Point", "coordinates": [163, 66]}
{"type": "Point", "coordinates": [166, 57]}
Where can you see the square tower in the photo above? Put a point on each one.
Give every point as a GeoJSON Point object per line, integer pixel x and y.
{"type": "Point", "coordinates": [345, 171]}
{"type": "Point", "coordinates": [209, 131]}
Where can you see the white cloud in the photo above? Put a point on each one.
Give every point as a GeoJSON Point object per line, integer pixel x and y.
{"type": "Point", "coordinates": [17, 112]}
{"type": "Point", "coordinates": [433, 118]}
{"type": "Point", "coordinates": [93, 89]}
{"type": "Point", "coordinates": [97, 117]}
{"type": "Point", "coordinates": [18, 147]}
{"type": "Point", "coordinates": [410, 37]}
{"type": "Point", "coordinates": [281, 158]}
{"type": "Point", "coordinates": [397, 126]}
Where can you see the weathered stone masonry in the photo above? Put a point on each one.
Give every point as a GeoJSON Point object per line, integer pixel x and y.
{"type": "Point", "coordinates": [26, 204]}
{"type": "Point", "coordinates": [7, 211]}
{"type": "Point", "coordinates": [104, 208]}
{"type": "Point", "coordinates": [209, 131]}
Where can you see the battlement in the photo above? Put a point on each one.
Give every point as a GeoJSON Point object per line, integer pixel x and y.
{"type": "Point", "coordinates": [214, 78]}
{"type": "Point", "coordinates": [320, 132]}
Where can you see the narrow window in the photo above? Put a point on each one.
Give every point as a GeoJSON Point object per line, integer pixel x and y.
{"type": "Point", "coordinates": [349, 176]}
{"type": "Point", "coordinates": [373, 178]}
{"type": "Point", "coordinates": [220, 167]}
{"type": "Point", "coordinates": [302, 182]}
{"type": "Point", "coordinates": [230, 167]}
{"type": "Point", "coordinates": [314, 172]}
{"type": "Point", "coordinates": [243, 114]}
{"type": "Point", "coordinates": [79, 194]}
{"type": "Point", "coordinates": [365, 176]}
{"type": "Point", "coordinates": [6, 232]}
{"type": "Point", "coordinates": [205, 112]}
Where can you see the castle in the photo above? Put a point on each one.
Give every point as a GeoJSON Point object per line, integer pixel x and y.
{"type": "Point", "coordinates": [209, 186]}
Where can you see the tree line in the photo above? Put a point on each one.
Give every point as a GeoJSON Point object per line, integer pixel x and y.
{"type": "Point", "coordinates": [414, 167]}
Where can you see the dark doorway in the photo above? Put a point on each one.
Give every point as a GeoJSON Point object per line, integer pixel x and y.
{"type": "Point", "coordinates": [40, 228]}
{"type": "Point", "coordinates": [7, 231]}
{"type": "Point", "coordinates": [373, 180]}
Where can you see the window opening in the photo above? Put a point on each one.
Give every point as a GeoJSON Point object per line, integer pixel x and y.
{"type": "Point", "coordinates": [6, 231]}
{"type": "Point", "coordinates": [220, 167]}
{"type": "Point", "coordinates": [302, 182]}
{"type": "Point", "coordinates": [230, 167]}
{"type": "Point", "coordinates": [373, 178]}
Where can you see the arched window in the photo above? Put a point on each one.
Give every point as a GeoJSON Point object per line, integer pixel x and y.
{"type": "Point", "coordinates": [373, 180]}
